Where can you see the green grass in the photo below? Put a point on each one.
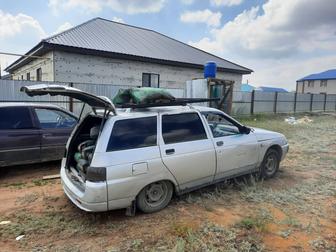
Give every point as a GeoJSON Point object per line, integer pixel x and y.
{"type": "Point", "coordinates": [258, 222]}
{"type": "Point", "coordinates": [40, 182]}
{"type": "Point", "coordinates": [30, 224]}
{"type": "Point", "coordinates": [16, 185]}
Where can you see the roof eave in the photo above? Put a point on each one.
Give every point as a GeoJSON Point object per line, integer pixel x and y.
{"type": "Point", "coordinates": [44, 46]}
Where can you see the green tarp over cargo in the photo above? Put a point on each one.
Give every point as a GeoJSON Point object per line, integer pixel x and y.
{"type": "Point", "coordinates": [142, 95]}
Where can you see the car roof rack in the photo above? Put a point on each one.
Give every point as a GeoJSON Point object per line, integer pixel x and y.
{"type": "Point", "coordinates": [176, 102]}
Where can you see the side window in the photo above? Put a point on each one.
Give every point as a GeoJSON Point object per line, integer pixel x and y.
{"type": "Point", "coordinates": [182, 128]}
{"type": "Point", "coordinates": [133, 133]}
{"type": "Point", "coordinates": [51, 118]}
{"type": "Point", "coordinates": [219, 125]}
{"type": "Point", "coordinates": [15, 118]}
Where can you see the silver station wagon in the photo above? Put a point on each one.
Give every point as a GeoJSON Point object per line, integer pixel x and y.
{"type": "Point", "coordinates": [138, 158]}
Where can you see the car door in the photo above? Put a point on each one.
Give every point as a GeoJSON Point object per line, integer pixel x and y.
{"type": "Point", "coordinates": [186, 149]}
{"type": "Point", "coordinates": [19, 137]}
{"type": "Point", "coordinates": [56, 127]}
{"type": "Point", "coordinates": [235, 152]}
{"type": "Point", "coordinates": [132, 158]}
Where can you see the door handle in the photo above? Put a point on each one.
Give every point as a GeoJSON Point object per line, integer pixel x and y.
{"type": "Point", "coordinates": [170, 151]}
{"type": "Point", "coordinates": [46, 135]}
{"type": "Point", "coordinates": [220, 143]}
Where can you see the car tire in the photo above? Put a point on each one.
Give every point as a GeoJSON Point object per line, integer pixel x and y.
{"type": "Point", "coordinates": [270, 164]}
{"type": "Point", "coordinates": [155, 196]}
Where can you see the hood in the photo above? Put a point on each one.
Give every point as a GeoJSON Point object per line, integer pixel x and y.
{"type": "Point", "coordinates": [93, 100]}
{"type": "Point", "coordinates": [263, 134]}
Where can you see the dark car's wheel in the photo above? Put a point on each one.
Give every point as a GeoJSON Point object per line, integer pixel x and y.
{"type": "Point", "coordinates": [155, 196]}
{"type": "Point", "coordinates": [270, 164]}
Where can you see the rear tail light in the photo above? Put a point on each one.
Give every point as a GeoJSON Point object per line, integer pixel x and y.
{"type": "Point", "coordinates": [96, 174]}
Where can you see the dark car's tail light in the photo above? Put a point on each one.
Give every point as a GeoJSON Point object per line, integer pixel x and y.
{"type": "Point", "coordinates": [96, 174]}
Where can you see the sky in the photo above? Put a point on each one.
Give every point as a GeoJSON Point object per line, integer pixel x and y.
{"type": "Point", "coordinates": [280, 40]}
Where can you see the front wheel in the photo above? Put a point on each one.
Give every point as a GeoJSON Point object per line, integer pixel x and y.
{"type": "Point", "coordinates": [270, 164]}
{"type": "Point", "coordinates": [155, 196]}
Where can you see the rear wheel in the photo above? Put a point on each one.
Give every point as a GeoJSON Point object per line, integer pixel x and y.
{"type": "Point", "coordinates": [270, 164]}
{"type": "Point", "coordinates": [155, 196]}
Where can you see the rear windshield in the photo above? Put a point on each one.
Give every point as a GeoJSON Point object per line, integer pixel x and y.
{"type": "Point", "coordinates": [133, 133]}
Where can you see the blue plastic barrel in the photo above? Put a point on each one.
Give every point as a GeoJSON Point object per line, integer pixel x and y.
{"type": "Point", "coordinates": [210, 69]}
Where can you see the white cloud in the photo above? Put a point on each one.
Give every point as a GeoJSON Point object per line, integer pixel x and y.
{"type": "Point", "coordinates": [63, 27]}
{"type": "Point", "coordinates": [11, 25]}
{"type": "Point", "coordinates": [226, 2]}
{"type": "Point", "coordinates": [18, 33]}
{"type": "Point", "coordinates": [202, 16]}
{"type": "Point", "coordinates": [278, 34]}
{"type": "Point", "coordinates": [95, 6]}
{"type": "Point", "coordinates": [119, 20]}
{"type": "Point", "coordinates": [278, 31]}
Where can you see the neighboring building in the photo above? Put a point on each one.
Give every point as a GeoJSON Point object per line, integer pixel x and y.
{"type": "Point", "coordinates": [271, 89]}
{"type": "Point", "coordinates": [319, 83]}
{"type": "Point", "coordinates": [103, 51]}
{"type": "Point", "coordinates": [245, 87]}
{"type": "Point", "coordinates": [5, 77]}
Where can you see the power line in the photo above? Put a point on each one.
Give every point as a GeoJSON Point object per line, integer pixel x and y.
{"type": "Point", "coordinates": [24, 55]}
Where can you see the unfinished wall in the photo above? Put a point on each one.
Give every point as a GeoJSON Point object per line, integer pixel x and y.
{"type": "Point", "coordinates": [45, 64]}
{"type": "Point", "coordinates": [71, 67]}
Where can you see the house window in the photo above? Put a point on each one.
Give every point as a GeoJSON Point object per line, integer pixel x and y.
{"type": "Point", "coordinates": [150, 80]}
{"type": "Point", "coordinates": [323, 83]}
{"type": "Point", "coordinates": [38, 74]}
{"type": "Point", "coordinates": [21, 77]}
{"type": "Point", "coordinates": [28, 76]}
{"type": "Point", "coordinates": [310, 83]}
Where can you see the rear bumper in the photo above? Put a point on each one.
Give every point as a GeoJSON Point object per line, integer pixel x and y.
{"type": "Point", "coordinates": [285, 149]}
{"type": "Point", "coordinates": [92, 199]}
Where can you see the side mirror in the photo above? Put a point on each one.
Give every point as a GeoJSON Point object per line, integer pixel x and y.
{"type": "Point", "coordinates": [245, 130]}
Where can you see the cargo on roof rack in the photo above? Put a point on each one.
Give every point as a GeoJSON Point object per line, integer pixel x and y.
{"type": "Point", "coordinates": [145, 97]}
{"type": "Point", "coordinates": [176, 102]}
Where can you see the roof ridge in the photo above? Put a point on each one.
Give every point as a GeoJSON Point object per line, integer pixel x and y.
{"type": "Point", "coordinates": [68, 30]}
{"type": "Point", "coordinates": [134, 26]}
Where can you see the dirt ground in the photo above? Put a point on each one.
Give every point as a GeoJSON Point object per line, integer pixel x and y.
{"type": "Point", "coordinates": [295, 211]}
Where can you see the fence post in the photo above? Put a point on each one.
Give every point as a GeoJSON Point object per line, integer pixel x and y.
{"type": "Point", "coordinates": [275, 102]}
{"type": "Point", "coordinates": [311, 102]}
{"type": "Point", "coordinates": [295, 99]}
{"type": "Point", "coordinates": [252, 102]}
{"type": "Point", "coordinates": [325, 102]}
{"type": "Point", "coordinates": [71, 99]}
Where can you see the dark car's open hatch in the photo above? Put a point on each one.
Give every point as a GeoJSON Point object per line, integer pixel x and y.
{"type": "Point", "coordinates": [96, 102]}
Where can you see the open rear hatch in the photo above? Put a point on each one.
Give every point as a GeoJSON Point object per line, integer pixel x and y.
{"type": "Point", "coordinates": [83, 141]}
{"type": "Point", "coordinates": [96, 102]}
